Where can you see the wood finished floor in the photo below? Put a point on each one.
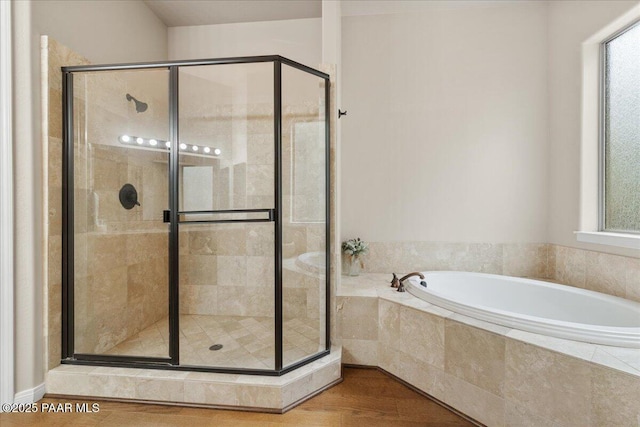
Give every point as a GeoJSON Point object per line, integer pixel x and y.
{"type": "Point", "coordinates": [366, 397]}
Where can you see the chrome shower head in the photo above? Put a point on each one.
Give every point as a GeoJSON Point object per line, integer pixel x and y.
{"type": "Point", "coordinates": [141, 107]}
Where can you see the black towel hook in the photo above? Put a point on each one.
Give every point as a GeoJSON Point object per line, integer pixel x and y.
{"type": "Point", "coordinates": [341, 113]}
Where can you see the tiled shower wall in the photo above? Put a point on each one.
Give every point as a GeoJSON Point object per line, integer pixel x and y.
{"type": "Point", "coordinates": [120, 255]}
{"type": "Point", "coordinates": [597, 271]}
{"type": "Point", "coordinates": [56, 55]}
{"type": "Point", "coordinates": [229, 269]}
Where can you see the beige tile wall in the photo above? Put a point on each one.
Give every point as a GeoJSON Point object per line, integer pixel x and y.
{"type": "Point", "coordinates": [597, 271]}
{"type": "Point", "coordinates": [528, 259]}
{"type": "Point", "coordinates": [227, 269]}
{"type": "Point", "coordinates": [57, 55]}
{"type": "Point", "coordinates": [493, 378]}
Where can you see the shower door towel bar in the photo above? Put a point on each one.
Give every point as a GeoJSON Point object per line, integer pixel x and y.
{"type": "Point", "coordinates": [270, 216]}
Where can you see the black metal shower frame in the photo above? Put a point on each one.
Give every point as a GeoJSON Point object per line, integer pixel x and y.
{"type": "Point", "coordinates": [68, 355]}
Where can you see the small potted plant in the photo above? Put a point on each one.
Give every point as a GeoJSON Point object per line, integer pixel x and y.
{"type": "Point", "coordinates": [354, 249]}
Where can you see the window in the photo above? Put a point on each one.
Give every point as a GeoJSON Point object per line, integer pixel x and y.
{"type": "Point", "coordinates": [620, 152]}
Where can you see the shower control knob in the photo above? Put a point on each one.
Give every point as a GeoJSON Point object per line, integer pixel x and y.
{"type": "Point", "coordinates": [128, 196]}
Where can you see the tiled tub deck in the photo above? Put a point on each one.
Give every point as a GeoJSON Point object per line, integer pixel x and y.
{"type": "Point", "coordinates": [496, 375]}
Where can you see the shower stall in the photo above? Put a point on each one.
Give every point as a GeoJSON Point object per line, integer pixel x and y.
{"type": "Point", "coordinates": [196, 215]}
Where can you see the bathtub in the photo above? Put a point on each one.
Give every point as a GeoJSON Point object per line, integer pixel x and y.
{"type": "Point", "coordinates": [535, 306]}
{"type": "Point", "coordinates": [314, 262]}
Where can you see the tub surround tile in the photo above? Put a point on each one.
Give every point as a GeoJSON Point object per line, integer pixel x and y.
{"type": "Point", "coordinates": [606, 273]}
{"type": "Point", "coordinates": [611, 400]}
{"type": "Point", "coordinates": [526, 260]}
{"type": "Point", "coordinates": [519, 259]}
{"type": "Point", "coordinates": [480, 257]}
{"type": "Point", "coordinates": [548, 382]}
{"type": "Point", "coordinates": [475, 356]}
{"type": "Point", "coordinates": [516, 415]}
{"type": "Point", "coordinates": [390, 294]}
{"type": "Point", "coordinates": [580, 350]}
{"type": "Point", "coordinates": [414, 302]}
{"type": "Point", "coordinates": [630, 356]}
{"type": "Point", "coordinates": [487, 326]}
{"type": "Point", "coordinates": [423, 335]}
{"type": "Point", "coordinates": [610, 274]}
{"type": "Point", "coordinates": [497, 375]}
{"type": "Point", "coordinates": [473, 401]}
{"type": "Point", "coordinates": [577, 349]}
{"type": "Point", "coordinates": [389, 327]}
{"type": "Point", "coordinates": [366, 285]}
{"type": "Point", "coordinates": [633, 279]}
{"type": "Point", "coordinates": [390, 359]}
{"type": "Point", "coordinates": [383, 257]}
{"type": "Point", "coordinates": [360, 352]}
{"type": "Point", "coordinates": [622, 359]}
{"type": "Point", "coordinates": [357, 318]}
{"type": "Point", "coordinates": [570, 266]}
{"type": "Point", "coordinates": [424, 376]}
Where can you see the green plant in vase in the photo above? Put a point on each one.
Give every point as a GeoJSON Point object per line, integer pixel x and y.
{"type": "Point", "coordinates": [354, 249]}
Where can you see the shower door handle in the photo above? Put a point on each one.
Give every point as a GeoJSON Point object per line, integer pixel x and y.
{"type": "Point", "coordinates": [268, 215]}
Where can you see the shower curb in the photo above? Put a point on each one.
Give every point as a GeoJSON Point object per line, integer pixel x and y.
{"type": "Point", "coordinates": [215, 390]}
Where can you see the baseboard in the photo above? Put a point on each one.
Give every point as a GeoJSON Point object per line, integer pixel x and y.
{"type": "Point", "coordinates": [30, 396]}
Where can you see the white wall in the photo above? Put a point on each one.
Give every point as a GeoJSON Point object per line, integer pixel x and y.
{"type": "Point", "coordinates": [297, 39]}
{"type": "Point", "coordinates": [570, 24]}
{"type": "Point", "coordinates": [446, 136]}
{"type": "Point", "coordinates": [103, 31]}
{"type": "Point", "coordinates": [6, 214]}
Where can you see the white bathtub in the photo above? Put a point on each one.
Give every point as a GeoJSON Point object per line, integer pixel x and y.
{"type": "Point", "coordinates": [314, 262]}
{"type": "Point", "coordinates": [534, 306]}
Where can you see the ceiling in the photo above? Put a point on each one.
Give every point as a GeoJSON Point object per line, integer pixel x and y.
{"type": "Point", "coordinates": [175, 13]}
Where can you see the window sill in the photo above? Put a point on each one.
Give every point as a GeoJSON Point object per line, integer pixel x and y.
{"type": "Point", "coordinates": [620, 240]}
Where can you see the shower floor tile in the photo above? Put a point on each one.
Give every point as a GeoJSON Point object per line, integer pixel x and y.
{"type": "Point", "coordinates": [247, 342]}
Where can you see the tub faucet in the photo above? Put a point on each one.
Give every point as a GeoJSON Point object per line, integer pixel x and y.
{"type": "Point", "coordinates": [399, 283]}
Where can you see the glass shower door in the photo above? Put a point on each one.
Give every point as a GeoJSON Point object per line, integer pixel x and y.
{"type": "Point", "coordinates": [305, 218]}
{"type": "Point", "coordinates": [226, 216]}
{"type": "Point", "coordinates": [195, 205]}
{"type": "Point", "coordinates": [117, 191]}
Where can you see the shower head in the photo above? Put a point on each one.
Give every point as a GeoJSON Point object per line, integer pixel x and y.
{"type": "Point", "coordinates": [141, 107]}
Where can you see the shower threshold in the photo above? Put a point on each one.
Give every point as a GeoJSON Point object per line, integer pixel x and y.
{"type": "Point", "coordinates": [275, 394]}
